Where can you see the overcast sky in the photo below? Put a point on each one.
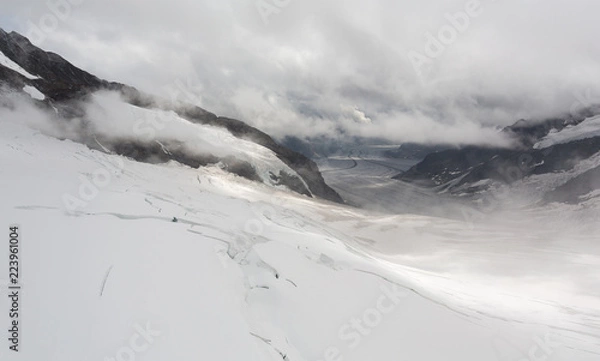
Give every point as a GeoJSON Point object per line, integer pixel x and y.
{"type": "Point", "coordinates": [338, 67]}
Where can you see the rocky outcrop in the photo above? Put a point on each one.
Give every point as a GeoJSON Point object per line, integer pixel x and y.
{"type": "Point", "coordinates": [471, 170]}
{"type": "Point", "coordinates": [58, 79]}
{"type": "Point", "coordinates": [576, 189]}
{"type": "Point", "coordinates": [65, 86]}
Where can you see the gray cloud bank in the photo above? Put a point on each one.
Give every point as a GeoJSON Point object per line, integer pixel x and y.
{"type": "Point", "coordinates": [428, 71]}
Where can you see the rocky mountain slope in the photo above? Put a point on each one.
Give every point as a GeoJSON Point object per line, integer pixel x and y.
{"type": "Point", "coordinates": [552, 148]}
{"type": "Point", "coordinates": [65, 91]}
{"type": "Point", "coordinates": [220, 268]}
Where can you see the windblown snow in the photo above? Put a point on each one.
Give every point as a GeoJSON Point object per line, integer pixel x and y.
{"type": "Point", "coordinates": [165, 262]}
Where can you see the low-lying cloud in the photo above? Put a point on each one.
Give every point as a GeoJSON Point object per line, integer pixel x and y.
{"type": "Point", "coordinates": [341, 68]}
{"type": "Point", "coordinates": [108, 121]}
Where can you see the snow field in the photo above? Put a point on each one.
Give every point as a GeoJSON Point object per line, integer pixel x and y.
{"type": "Point", "coordinates": [245, 273]}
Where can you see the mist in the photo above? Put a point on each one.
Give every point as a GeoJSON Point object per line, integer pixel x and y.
{"type": "Point", "coordinates": [108, 124]}
{"type": "Point", "coordinates": [429, 72]}
{"type": "Point", "coordinates": [382, 197]}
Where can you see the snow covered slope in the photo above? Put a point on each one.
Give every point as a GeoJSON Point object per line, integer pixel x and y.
{"type": "Point", "coordinates": [5, 61]}
{"type": "Point", "coordinates": [546, 150]}
{"type": "Point", "coordinates": [73, 95]}
{"type": "Point", "coordinates": [166, 262]}
{"type": "Point", "coordinates": [113, 119]}
{"type": "Point", "coordinates": [588, 128]}
{"type": "Point", "coordinates": [34, 93]}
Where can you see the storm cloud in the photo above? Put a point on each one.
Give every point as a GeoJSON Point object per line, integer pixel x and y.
{"type": "Point", "coordinates": [430, 71]}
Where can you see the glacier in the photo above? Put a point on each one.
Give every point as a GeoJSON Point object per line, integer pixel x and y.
{"type": "Point", "coordinates": [219, 267]}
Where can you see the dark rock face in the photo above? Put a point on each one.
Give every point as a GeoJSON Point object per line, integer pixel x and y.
{"type": "Point", "coordinates": [60, 80]}
{"type": "Point", "coordinates": [527, 134]}
{"type": "Point", "coordinates": [305, 167]}
{"type": "Point", "coordinates": [442, 167]}
{"type": "Point", "coordinates": [473, 164]}
{"type": "Point", "coordinates": [458, 170]}
{"type": "Point", "coordinates": [12, 79]}
{"type": "Point", "coordinates": [291, 182]}
{"type": "Point", "coordinates": [155, 153]}
{"type": "Point", "coordinates": [576, 188]}
{"type": "Point", "coordinates": [65, 85]}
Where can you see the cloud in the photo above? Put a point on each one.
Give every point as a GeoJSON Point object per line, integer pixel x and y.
{"type": "Point", "coordinates": [300, 70]}
{"type": "Point", "coordinates": [111, 124]}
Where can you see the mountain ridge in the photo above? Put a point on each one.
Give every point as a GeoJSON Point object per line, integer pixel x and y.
{"type": "Point", "coordinates": [472, 170]}
{"type": "Point", "coordinates": [64, 86]}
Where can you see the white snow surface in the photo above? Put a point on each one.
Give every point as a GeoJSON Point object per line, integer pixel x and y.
{"type": "Point", "coordinates": [110, 117]}
{"type": "Point", "coordinates": [248, 273]}
{"type": "Point", "coordinates": [589, 128]}
{"type": "Point", "coordinates": [114, 117]}
{"type": "Point", "coordinates": [33, 92]}
{"type": "Point", "coordinates": [7, 62]}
